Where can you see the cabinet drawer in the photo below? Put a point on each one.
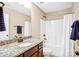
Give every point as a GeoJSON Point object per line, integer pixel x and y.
{"type": "Point", "coordinates": [31, 51]}
{"type": "Point", "coordinates": [41, 45]}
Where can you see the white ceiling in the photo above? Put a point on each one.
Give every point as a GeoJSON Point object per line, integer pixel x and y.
{"type": "Point", "coordinates": [45, 6]}
{"type": "Point", "coordinates": [19, 7]}
{"type": "Point", "coordinates": [53, 6]}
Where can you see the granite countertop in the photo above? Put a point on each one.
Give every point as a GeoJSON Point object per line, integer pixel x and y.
{"type": "Point", "coordinates": [13, 50]}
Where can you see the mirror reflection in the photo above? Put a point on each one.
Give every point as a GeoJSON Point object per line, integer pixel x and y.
{"type": "Point", "coordinates": [16, 20]}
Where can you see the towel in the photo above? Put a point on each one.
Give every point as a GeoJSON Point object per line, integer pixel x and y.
{"type": "Point", "coordinates": [2, 24]}
{"type": "Point", "coordinates": [75, 31]}
{"type": "Point", "coordinates": [19, 29]}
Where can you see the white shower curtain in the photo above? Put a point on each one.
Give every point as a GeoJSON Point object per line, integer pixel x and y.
{"type": "Point", "coordinates": [54, 32]}
{"type": "Point", "coordinates": [58, 36]}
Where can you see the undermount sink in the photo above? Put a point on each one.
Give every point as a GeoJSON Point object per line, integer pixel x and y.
{"type": "Point", "coordinates": [25, 44]}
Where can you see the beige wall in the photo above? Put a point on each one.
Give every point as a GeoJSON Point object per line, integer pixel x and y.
{"type": "Point", "coordinates": [36, 15]}
{"type": "Point", "coordinates": [15, 18]}
{"type": "Point", "coordinates": [58, 14]}
{"type": "Point", "coordinates": [75, 9]}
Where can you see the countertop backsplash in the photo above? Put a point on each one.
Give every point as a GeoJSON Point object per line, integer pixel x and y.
{"type": "Point", "coordinates": [12, 40]}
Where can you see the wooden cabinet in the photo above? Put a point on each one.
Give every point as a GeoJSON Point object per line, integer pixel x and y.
{"type": "Point", "coordinates": [36, 51]}
{"type": "Point", "coordinates": [41, 49]}
{"type": "Point", "coordinates": [31, 51]}
{"type": "Point", "coordinates": [41, 52]}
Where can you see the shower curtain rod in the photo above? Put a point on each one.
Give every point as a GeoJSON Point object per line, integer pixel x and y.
{"type": "Point", "coordinates": [2, 4]}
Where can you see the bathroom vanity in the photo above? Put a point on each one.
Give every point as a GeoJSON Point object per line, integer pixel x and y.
{"type": "Point", "coordinates": [23, 49]}
{"type": "Point", "coordinates": [36, 51]}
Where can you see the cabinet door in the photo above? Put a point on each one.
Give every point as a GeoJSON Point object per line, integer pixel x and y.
{"type": "Point", "coordinates": [35, 54]}
{"type": "Point", "coordinates": [31, 51]}
{"type": "Point", "coordinates": [41, 52]}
